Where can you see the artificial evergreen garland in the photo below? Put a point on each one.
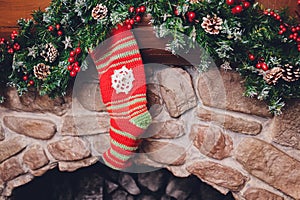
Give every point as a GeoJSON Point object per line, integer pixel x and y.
{"type": "Point", "coordinates": [262, 44]}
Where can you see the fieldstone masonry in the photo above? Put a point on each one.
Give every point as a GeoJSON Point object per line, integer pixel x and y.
{"type": "Point", "coordinates": [202, 125]}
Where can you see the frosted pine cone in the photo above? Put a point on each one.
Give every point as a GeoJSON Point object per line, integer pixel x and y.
{"type": "Point", "coordinates": [291, 73]}
{"type": "Point", "coordinates": [50, 53]}
{"type": "Point", "coordinates": [212, 25]}
{"type": "Point", "coordinates": [273, 75]}
{"type": "Point", "coordinates": [99, 12]}
{"type": "Point", "coordinates": [41, 71]}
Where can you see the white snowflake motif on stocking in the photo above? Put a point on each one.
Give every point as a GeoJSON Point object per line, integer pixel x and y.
{"type": "Point", "coordinates": [122, 80]}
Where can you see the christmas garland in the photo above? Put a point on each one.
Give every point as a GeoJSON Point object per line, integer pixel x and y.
{"type": "Point", "coordinates": [262, 44]}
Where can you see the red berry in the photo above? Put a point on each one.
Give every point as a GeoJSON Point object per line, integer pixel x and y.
{"type": "Point", "coordinates": [264, 67]}
{"type": "Point", "coordinates": [78, 50]}
{"type": "Point", "coordinates": [230, 2]}
{"type": "Point", "coordinates": [131, 21]}
{"type": "Point", "coordinates": [283, 29]}
{"type": "Point", "coordinates": [71, 59]}
{"type": "Point", "coordinates": [76, 68]}
{"type": "Point", "coordinates": [293, 29]}
{"type": "Point", "coordinates": [280, 32]}
{"type": "Point", "coordinates": [142, 9]}
{"type": "Point", "coordinates": [137, 10]}
{"type": "Point", "coordinates": [76, 64]}
{"type": "Point", "coordinates": [191, 15]}
{"type": "Point", "coordinates": [73, 73]}
{"type": "Point", "coordinates": [16, 46]}
{"type": "Point", "coordinates": [251, 57]}
{"type": "Point", "coordinates": [25, 78]}
{"type": "Point", "coordinates": [59, 33]}
{"type": "Point", "coordinates": [266, 12]}
{"type": "Point", "coordinates": [129, 26]}
{"type": "Point", "coordinates": [278, 17]}
{"type": "Point", "coordinates": [298, 40]}
{"type": "Point", "coordinates": [57, 26]}
{"type": "Point", "coordinates": [10, 51]}
{"type": "Point", "coordinates": [50, 28]}
{"type": "Point", "coordinates": [271, 13]}
{"type": "Point", "coordinates": [138, 18]}
{"type": "Point", "coordinates": [298, 28]}
{"type": "Point", "coordinates": [12, 36]}
{"type": "Point", "coordinates": [131, 9]}
{"type": "Point", "coordinates": [127, 21]}
{"type": "Point", "coordinates": [70, 67]}
{"type": "Point", "coordinates": [239, 8]}
{"type": "Point", "coordinates": [31, 82]}
{"type": "Point", "coordinates": [15, 33]}
{"type": "Point", "coordinates": [176, 12]}
{"type": "Point", "coordinates": [295, 34]}
{"type": "Point", "coordinates": [258, 65]}
{"type": "Point", "coordinates": [291, 36]}
{"type": "Point", "coordinates": [72, 53]}
{"type": "Point", "coordinates": [246, 4]}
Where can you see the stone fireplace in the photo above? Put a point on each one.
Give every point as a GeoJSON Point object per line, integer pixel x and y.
{"type": "Point", "coordinates": [202, 128]}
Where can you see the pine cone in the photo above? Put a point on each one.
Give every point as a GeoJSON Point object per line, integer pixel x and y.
{"type": "Point", "coordinates": [99, 12]}
{"type": "Point", "coordinates": [273, 75]}
{"type": "Point", "coordinates": [50, 53]}
{"type": "Point", "coordinates": [212, 25]}
{"type": "Point", "coordinates": [41, 71]}
{"type": "Point", "coordinates": [290, 73]}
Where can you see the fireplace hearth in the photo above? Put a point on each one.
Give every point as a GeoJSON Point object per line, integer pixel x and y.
{"type": "Point", "coordinates": [100, 182]}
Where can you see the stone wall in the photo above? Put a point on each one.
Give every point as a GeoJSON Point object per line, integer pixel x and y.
{"type": "Point", "coordinates": [202, 125]}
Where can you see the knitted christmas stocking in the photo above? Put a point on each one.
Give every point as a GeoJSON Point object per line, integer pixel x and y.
{"type": "Point", "coordinates": [123, 90]}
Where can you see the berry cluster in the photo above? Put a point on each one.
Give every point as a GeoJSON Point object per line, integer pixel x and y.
{"type": "Point", "coordinates": [11, 45]}
{"type": "Point", "coordinates": [261, 64]}
{"type": "Point", "coordinates": [293, 32]}
{"type": "Point", "coordinates": [136, 15]}
{"type": "Point", "coordinates": [25, 78]}
{"type": "Point", "coordinates": [238, 6]}
{"type": "Point", "coordinates": [74, 66]}
{"type": "Point", "coordinates": [57, 29]}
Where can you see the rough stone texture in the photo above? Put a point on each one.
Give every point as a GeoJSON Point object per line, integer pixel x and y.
{"type": "Point", "coordinates": [2, 136]}
{"type": "Point", "coordinates": [169, 129]}
{"type": "Point", "coordinates": [217, 174]}
{"type": "Point", "coordinates": [258, 193]}
{"type": "Point", "coordinates": [270, 165]}
{"type": "Point", "coordinates": [11, 147]}
{"type": "Point", "coordinates": [85, 124]}
{"type": "Point", "coordinates": [211, 141]}
{"type": "Point", "coordinates": [43, 170]}
{"type": "Point", "coordinates": [129, 184]}
{"type": "Point", "coordinates": [89, 96]}
{"type": "Point", "coordinates": [69, 149]}
{"type": "Point", "coordinates": [224, 90]}
{"type": "Point", "coordinates": [10, 169]}
{"type": "Point", "coordinates": [179, 189]}
{"type": "Point", "coordinates": [100, 143]}
{"type": "Point", "coordinates": [19, 181]}
{"type": "Point", "coordinates": [72, 166]}
{"type": "Point", "coordinates": [236, 124]}
{"type": "Point", "coordinates": [35, 157]}
{"type": "Point", "coordinates": [286, 127]}
{"type": "Point", "coordinates": [152, 180]}
{"type": "Point", "coordinates": [155, 104]}
{"type": "Point", "coordinates": [164, 152]}
{"type": "Point", "coordinates": [36, 128]}
{"type": "Point", "coordinates": [32, 102]}
{"type": "Point", "coordinates": [176, 90]}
